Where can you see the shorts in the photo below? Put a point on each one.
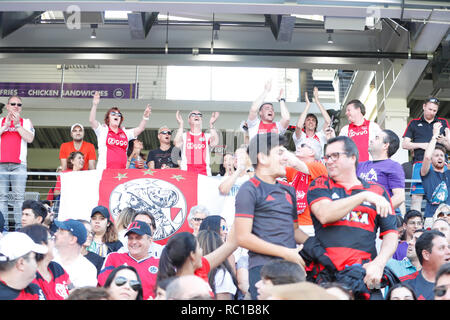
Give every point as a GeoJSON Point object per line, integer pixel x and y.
{"type": "Point", "coordinates": [417, 187]}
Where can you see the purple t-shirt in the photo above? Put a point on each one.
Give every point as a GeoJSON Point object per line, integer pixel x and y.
{"type": "Point", "coordinates": [387, 172]}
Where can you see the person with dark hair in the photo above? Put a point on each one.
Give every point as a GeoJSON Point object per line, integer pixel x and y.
{"type": "Point", "coordinates": [347, 233]}
{"type": "Point", "coordinates": [433, 251]}
{"type": "Point", "coordinates": [106, 239]}
{"type": "Point", "coordinates": [307, 124]}
{"type": "Point", "coordinates": [124, 283]}
{"type": "Point", "coordinates": [412, 221]}
{"type": "Point", "coordinates": [217, 224]}
{"type": "Point", "coordinates": [401, 291]}
{"type": "Point", "coordinates": [265, 123]}
{"type": "Point", "coordinates": [416, 138]}
{"type": "Point", "coordinates": [382, 169]}
{"type": "Point", "coordinates": [33, 212]}
{"type": "Point", "coordinates": [337, 289]}
{"type": "Point", "coordinates": [15, 135]}
{"type": "Point", "coordinates": [222, 279]}
{"type": "Point", "coordinates": [442, 283]}
{"type": "Point", "coordinates": [183, 256]}
{"type": "Point", "coordinates": [94, 258]}
{"type": "Point", "coordinates": [277, 272]}
{"type": "Point", "coordinates": [266, 210]}
{"type": "Point", "coordinates": [50, 275]}
{"type": "Point", "coordinates": [136, 158]}
{"type": "Point", "coordinates": [89, 293]}
{"type": "Point", "coordinates": [360, 130]}
{"type": "Point", "coordinates": [434, 174]}
{"type": "Point", "coordinates": [87, 149]}
{"type": "Point", "coordinates": [139, 241]}
{"type": "Point", "coordinates": [112, 139]}
{"type": "Point", "coordinates": [161, 287]}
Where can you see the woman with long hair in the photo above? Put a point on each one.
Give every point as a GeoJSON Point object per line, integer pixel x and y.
{"type": "Point", "coordinates": [106, 239]}
{"type": "Point", "coordinates": [112, 138]}
{"type": "Point", "coordinates": [124, 283]}
{"type": "Point", "coordinates": [136, 158]}
{"type": "Point", "coordinates": [222, 279]}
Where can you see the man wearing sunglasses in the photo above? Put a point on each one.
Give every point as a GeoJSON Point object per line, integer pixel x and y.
{"type": "Point", "coordinates": [442, 285]}
{"type": "Point", "coordinates": [416, 138]}
{"type": "Point", "coordinates": [347, 212]}
{"type": "Point", "coordinates": [195, 145]}
{"type": "Point", "coordinates": [166, 156]}
{"type": "Point", "coordinates": [15, 133]}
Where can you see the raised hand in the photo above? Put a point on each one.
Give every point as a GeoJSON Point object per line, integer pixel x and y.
{"type": "Point", "coordinates": [214, 117]}
{"type": "Point", "coordinates": [96, 98]}
{"type": "Point", "coordinates": [148, 111]}
{"type": "Point", "coordinates": [179, 118]}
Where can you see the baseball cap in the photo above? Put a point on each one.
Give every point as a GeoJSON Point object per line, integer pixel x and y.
{"type": "Point", "coordinates": [139, 227]}
{"type": "Point", "coordinates": [102, 210]}
{"type": "Point", "coordinates": [77, 125]}
{"type": "Point", "coordinates": [14, 245]}
{"type": "Point", "coordinates": [75, 227]}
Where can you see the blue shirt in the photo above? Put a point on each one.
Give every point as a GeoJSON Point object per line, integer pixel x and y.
{"type": "Point", "coordinates": [401, 267]}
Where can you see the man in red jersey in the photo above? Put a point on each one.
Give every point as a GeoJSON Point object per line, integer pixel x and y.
{"type": "Point", "coordinates": [195, 145]}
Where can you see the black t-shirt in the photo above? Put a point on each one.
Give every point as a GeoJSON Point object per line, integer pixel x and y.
{"type": "Point", "coordinates": [168, 157]}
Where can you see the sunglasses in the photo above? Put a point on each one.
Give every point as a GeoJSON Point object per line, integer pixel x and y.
{"type": "Point", "coordinates": [118, 114]}
{"type": "Point", "coordinates": [434, 100]}
{"type": "Point", "coordinates": [440, 291]}
{"type": "Point", "coordinates": [198, 219]}
{"type": "Point", "coordinates": [15, 104]}
{"type": "Point", "coordinates": [166, 132]}
{"type": "Point", "coordinates": [195, 114]}
{"type": "Point", "coordinates": [134, 284]}
{"type": "Point", "coordinates": [224, 228]}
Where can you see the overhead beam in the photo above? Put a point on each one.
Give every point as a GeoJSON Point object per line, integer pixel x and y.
{"type": "Point", "coordinates": [281, 26]}
{"type": "Point", "coordinates": [140, 23]}
{"type": "Point", "coordinates": [12, 21]}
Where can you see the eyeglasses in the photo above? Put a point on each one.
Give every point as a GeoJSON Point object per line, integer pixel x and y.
{"type": "Point", "coordinates": [118, 114]}
{"type": "Point", "coordinates": [440, 291]}
{"type": "Point", "coordinates": [15, 104]}
{"type": "Point", "coordinates": [333, 156]}
{"type": "Point", "coordinates": [134, 284]}
{"type": "Point", "coordinates": [166, 132]}
{"type": "Point", "coordinates": [195, 114]}
{"type": "Point", "coordinates": [433, 100]}
{"type": "Point", "coordinates": [198, 219]}
{"type": "Point", "coordinates": [415, 223]}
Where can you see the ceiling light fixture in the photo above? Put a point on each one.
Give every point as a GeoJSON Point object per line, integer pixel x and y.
{"type": "Point", "coordinates": [330, 39]}
{"type": "Point", "coordinates": [93, 34]}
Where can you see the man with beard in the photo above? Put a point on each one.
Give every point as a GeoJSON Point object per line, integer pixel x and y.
{"type": "Point", "coordinates": [78, 144]}
{"type": "Point", "coordinates": [435, 179]}
{"type": "Point", "coordinates": [265, 123]}
{"type": "Point", "coordinates": [166, 156]}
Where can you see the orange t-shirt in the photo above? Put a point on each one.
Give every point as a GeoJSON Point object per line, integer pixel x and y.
{"type": "Point", "coordinates": [87, 149]}
{"type": "Point", "coordinates": [301, 181]}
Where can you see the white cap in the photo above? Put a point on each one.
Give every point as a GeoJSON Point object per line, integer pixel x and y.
{"type": "Point", "coordinates": [77, 125]}
{"type": "Point", "coordinates": [14, 245]}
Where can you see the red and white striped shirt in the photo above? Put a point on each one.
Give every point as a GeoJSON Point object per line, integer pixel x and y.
{"type": "Point", "coordinates": [195, 153]}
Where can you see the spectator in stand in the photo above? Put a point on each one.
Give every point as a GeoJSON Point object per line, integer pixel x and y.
{"type": "Point", "coordinates": [78, 144]}
{"type": "Point", "coordinates": [50, 275]}
{"type": "Point", "coordinates": [417, 135]}
{"type": "Point", "coordinates": [105, 234]}
{"type": "Point", "coordinates": [161, 287]}
{"type": "Point", "coordinates": [183, 256]}
{"type": "Point", "coordinates": [410, 263]}
{"type": "Point", "coordinates": [442, 212]}
{"type": "Point", "coordinates": [266, 113]}
{"type": "Point", "coordinates": [264, 202]}
{"type": "Point", "coordinates": [94, 258]}
{"type": "Point", "coordinates": [70, 237]}
{"type": "Point", "coordinates": [136, 158]}
{"type": "Point", "coordinates": [89, 293]}
{"type": "Point", "coordinates": [360, 130]}
{"type": "Point", "coordinates": [195, 145]}
{"type": "Point", "coordinates": [347, 233]}
{"type": "Point", "coordinates": [217, 224]}
{"type": "Point", "coordinates": [442, 287]}
{"type": "Point", "coordinates": [340, 291]}
{"type": "Point", "coordinates": [124, 283]}
{"type": "Point", "coordinates": [434, 174]}
{"type": "Point", "coordinates": [302, 169]}
{"type": "Point", "coordinates": [75, 162]}
{"type": "Point", "coordinates": [18, 267]}
{"type": "Point", "coordinates": [139, 241]}
{"type": "Point", "coordinates": [15, 134]}
{"type": "Point", "coordinates": [196, 216]}
{"type": "Point", "coordinates": [188, 287]}
{"type": "Point", "coordinates": [401, 291]}
{"type": "Point", "coordinates": [33, 212]}
{"type": "Point", "coordinates": [278, 272]}
{"type": "Point", "coordinates": [227, 168]}
{"type": "Point", "coordinates": [122, 222]}
{"type": "Point", "coordinates": [222, 279]}
{"type": "Point", "coordinates": [166, 156]}
{"type": "Point", "coordinates": [382, 169]}
{"type": "Point", "coordinates": [413, 221]}
{"type": "Point", "coordinates": [112, 139]}
{"type": "Point", "coordinates": [307, 124]}
{"type": "Point", "coordinates": [443, 226]}
{"type": "Point", "coordinates": [433, 251]}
